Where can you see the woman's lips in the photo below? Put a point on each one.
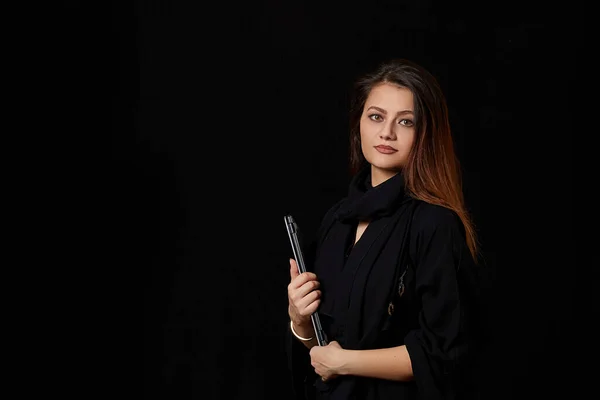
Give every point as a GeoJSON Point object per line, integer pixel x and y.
{"type": "Point", "coordinates": [385, 149]}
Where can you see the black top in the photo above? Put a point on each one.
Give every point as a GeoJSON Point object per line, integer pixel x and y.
{"type": "Point", "coordinates": [406, 281]}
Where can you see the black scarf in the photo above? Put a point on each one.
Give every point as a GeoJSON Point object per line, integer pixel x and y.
{"type": "Point", "coordinates": [359, 281]}
{"type": "Point", "coordinates": [365, 202]}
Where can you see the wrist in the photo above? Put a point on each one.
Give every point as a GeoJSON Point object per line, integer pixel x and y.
{"type": "Point", "coordinates": [302, 324]}
{"type": "Point", "coordinates": [302, 331]}
{"type": "Point", "coordinates": [296, 319]}
{"type": "Point", "coordinates": [303, 334]}
{"type": "Point", "coordinates": [347, 361]}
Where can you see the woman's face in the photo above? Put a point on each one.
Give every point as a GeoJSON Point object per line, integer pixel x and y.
{"type": "Point", "coordinates": [387, 129]}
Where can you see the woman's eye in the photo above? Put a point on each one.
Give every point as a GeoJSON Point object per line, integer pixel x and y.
{"type": "Point", "coordinates": [375, 117]}
{"type": "Point", "coordinates": [405, 122]}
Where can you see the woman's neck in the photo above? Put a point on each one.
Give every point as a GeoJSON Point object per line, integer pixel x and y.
{"type": "Point", "coordinates": [380, 175]}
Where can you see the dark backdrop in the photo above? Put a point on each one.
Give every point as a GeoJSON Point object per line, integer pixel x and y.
{"type": "Point", "coordinates": [226, 116]}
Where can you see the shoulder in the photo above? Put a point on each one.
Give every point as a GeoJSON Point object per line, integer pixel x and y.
{"type": "Point", "coordinates": [437, 236]}
{"type": "Point", "coordinates": [431, 218]}
{"type": "Point", "coordinates": [328, 218]}
{"type": "Point", "coordinates": [332, 210]}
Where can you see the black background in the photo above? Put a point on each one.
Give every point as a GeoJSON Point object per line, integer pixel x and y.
{"type": "Point", "coordinates": [226, 116]}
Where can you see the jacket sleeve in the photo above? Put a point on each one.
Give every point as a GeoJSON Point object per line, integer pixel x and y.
{"type": "Point", "coordinates": [298, 356]}
{"type": "Point", "coordinates": [302, 373]}
{"type": "Point", "coordinates": [439, 347]}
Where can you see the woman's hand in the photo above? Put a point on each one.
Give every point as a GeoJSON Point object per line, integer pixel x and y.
{"type": "Point", "coordinates": [328, 361]}
{"type": "Point", "coordinates": [303, 295]}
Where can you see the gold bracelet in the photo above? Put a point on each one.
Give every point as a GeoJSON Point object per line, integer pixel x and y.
{"type": "Point", "coordinates": [295, 334]}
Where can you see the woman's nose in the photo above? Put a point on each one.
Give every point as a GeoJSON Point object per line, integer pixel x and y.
{"type": "Point", "coordinates": [387, 133]}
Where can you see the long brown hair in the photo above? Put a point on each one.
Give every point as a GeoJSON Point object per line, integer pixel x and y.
{"type": "Point", "coordinates": [432, 172]}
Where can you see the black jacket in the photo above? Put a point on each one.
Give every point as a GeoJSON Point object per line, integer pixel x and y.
{"type": "Point", "coordinates": [407, 281]}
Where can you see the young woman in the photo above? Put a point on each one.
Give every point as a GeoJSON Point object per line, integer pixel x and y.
{"type": "Point", "coordinates": [391, 268]}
